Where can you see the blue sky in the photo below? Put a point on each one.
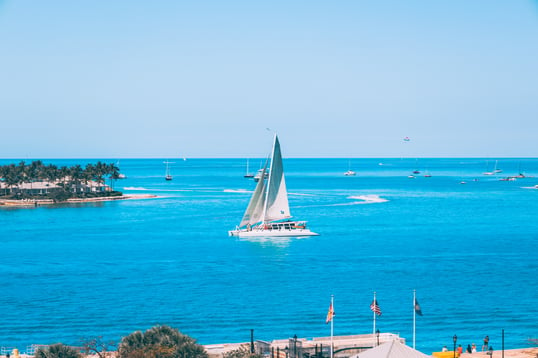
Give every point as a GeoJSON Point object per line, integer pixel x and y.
{"type": "Point", "coordinates": [120, 79]}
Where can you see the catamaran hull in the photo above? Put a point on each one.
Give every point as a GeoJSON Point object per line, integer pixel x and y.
{"type": "Point", "coordinates": [272, 233]}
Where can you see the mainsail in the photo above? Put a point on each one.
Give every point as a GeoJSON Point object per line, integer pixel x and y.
{"type": "Point", "coordinates": [269, 202]}
{"type": "Point", "coordinates": [276, 201]}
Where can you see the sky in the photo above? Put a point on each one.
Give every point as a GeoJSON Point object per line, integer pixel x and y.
{"type": "Point", "coordinates": [212, 78]}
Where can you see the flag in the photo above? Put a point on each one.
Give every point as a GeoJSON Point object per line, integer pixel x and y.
{"type": "Point", "coordinates": [375, 308]}
{"type": "Point", "coordinates": [417, 308]}
{"type": "Point", "coordinates": [330, 314]}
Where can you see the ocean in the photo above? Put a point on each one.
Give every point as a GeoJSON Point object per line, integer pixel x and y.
{"type": "Point", "coordinates": [72, 272]}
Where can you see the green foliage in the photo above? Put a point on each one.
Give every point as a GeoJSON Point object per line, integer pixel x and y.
{"type": "Point", "coordinates": [160, 342]}
{"type": "Point", "coordinates": [68, 179]}
{"type": "Point", "coordinates": [57, 351]}
{"type": "Point", "coordinates": [241, 352]}
{"type": "Point", "coordinates": [60, 195]}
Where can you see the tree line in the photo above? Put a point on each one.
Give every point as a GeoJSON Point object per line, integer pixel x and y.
{"type": "Point", "coordinates": [156, 342]}
{"type": "Point", "coordinates": [67, 180]}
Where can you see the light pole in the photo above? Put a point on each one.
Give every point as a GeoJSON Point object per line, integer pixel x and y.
{"type": "Point", "coordinates": [455, 339]}
{"type": "Point", "coordinates": [251, 341]}
{"type": "Point", "coordinates": [295, 346]}
{"type": "Point", "coordinates": [377, 335]}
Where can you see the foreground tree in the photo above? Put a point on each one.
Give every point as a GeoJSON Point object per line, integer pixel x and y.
{"type": "Point", "coordinates": [160, 342]}
{"type": "Point", "coordinates": [97, 346]}
{"type": "Point", "coordinates": [57, 351]}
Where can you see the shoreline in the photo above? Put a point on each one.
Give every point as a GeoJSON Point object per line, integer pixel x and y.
{"type": "Point", "coordinates": [41, 202]}
{"type": "Point", "coordinates": [530, 352]}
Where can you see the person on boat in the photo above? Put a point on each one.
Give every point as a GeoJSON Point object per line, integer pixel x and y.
{"type": "Point", "coordinates": [486, 343]}
{"type": "Point", "coordinates": [459, 350]}
{"type": "Point", "coordinates": [469, 349]}
{"type": "Point", "coordinates": [445, 349]}
{"type": "Point", "coordinates": [473, 350]}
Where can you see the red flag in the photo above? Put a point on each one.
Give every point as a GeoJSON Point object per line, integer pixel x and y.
{"type": "Point", "coordinates": [375, 308]}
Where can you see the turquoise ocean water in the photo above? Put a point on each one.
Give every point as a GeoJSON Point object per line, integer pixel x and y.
{"type": "Point", "coordinates": [470, 251]}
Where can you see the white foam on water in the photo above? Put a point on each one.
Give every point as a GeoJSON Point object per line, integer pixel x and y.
{"type": "Point", "coordinates": [137, 188]}
{"type": "Point", "coordinates": [368, 199]}
{"type": "Point", "coordinates": [237, 191]}
{"type": "Point", "coordinates": [361, 199]}
{"type": "Point", "coordinates": [301, 194]}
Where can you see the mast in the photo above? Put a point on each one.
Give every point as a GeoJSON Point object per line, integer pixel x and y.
{"type": "Point", "coordinates": [373, 333]}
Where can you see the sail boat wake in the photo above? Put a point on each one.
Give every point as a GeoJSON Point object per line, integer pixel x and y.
{"type": "Point", "coordinates": [268, 212]}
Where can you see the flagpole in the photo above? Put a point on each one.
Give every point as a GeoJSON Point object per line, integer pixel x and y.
{"type": "Point", "coordinates": [414, 315]}
{"type": "Point", "coordinates": [332, 325]}
{"type": "Point", "coordinates": [373, 333]}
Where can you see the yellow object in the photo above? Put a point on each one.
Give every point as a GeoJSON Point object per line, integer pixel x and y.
{"type": "Point", "coordinates": [448, 354]}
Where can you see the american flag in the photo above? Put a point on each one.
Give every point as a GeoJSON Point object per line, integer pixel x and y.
{"type": "Point", "coordinates": [375, 308]}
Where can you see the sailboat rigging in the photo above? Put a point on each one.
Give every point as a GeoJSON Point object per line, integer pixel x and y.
{"type": "Point", "coordinates": [268, 212]}
{"type": "Point", "coordinates": [349, 171]}
{"type": "Point", "coordinates": [248, 174]}
{"type": "Point", "coordinates": [167, 175]}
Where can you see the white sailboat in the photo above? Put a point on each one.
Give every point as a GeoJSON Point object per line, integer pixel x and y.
{"type": "Point", "coordinates": [248, 174]}
{"type": "Point", "coordinates": [268, 212]}
{"type": "Point", "coordinates": [495, 170]}
{"type": "Point", "coordinates": [167, 175]}
{"type": "Point", "coordinates": [349, 171]}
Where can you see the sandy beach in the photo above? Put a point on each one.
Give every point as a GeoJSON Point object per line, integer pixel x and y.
{"type": "Point", "coordinates": [40, 202]}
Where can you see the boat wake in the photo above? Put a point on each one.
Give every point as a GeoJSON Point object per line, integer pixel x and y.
{"type": "Point", "coordinates": [237, 191]}
{"type": "Point", "coordinates": [271, 241]}
{"type": "Point", "coordinates": [362, 199]}
{"type": "Point", "coordinates": [136, 188]}
{"type": "Point", "coordinates": [359, 200]}
{"type": "Point", "coordinates": [368, 199]}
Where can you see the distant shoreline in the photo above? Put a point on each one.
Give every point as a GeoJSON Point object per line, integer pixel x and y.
{"type": "Point", "coordinates": [41, 202]}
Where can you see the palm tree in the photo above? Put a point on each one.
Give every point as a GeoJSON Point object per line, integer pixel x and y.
{"type": "Point", "coordinates": [89, 174]}
{"type": "Point", "coordinates": [160, 342]}
{"type": "Point", "coordinates": [76, 175]}
{"type": "Point", "coordinates": [114, 172]}
{"type": "Point", "coordinates": [57, 351]}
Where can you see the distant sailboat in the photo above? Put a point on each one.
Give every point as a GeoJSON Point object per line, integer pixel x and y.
{"type": "Point", "coordinates": [167, 175]}
{"type": "Point", "coordinates": [259, 174]}
{"type": "Point", "coordinates": [495, 170]}
{"type": "Point", "coordinates": [416, 171]}
{"type": "Point", "coordinates": [120, 175]}
{"type": "Point", "coordinates": [268, 212]}
{"type": "Point", "coordinates": [248, 174]}
{"type": "Point", "coordinates": [349, 171]}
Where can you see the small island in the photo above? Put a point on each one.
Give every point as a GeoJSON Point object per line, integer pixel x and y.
{"type": "Point", "coordinates": [37, 183]}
